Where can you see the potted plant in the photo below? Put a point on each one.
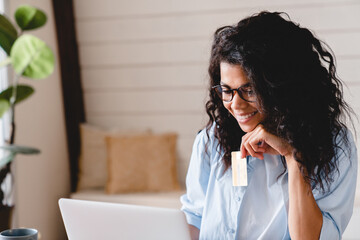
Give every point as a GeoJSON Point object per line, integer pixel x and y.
{"type": "Point", "coordinates": [29, 57]}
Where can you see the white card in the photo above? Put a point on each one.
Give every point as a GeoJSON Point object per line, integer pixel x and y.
{"type": "Point", "coordinates": [239, 169]}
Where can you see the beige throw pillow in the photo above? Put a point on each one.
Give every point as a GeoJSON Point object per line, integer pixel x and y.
{"type": "Point", "coordinates": [92, 161]}
{"type": "Point", "coordinates": [145, 163]}
{"type": "Point", "coordinates": [93, 155]}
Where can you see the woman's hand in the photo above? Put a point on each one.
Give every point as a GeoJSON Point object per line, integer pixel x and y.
{"type": "Point", "coordinates": [259, 141]}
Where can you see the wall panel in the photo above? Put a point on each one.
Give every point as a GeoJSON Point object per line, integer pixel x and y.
{"type": "Point", "coordinates": [133, 8]}
{"type": "Point", "coordinates": [319, 18]}
{"type": "Point", "coordinates": [188, 51]}
{"type": "Point", "coordinates": [187, 100]}
{"type": "Point", "coordinates": [147, 53]}
{"type": "Point", "coordinates": [182, 123]}
{"type": "Point", "coordinates": [144, 63]}
{"type": "Point", "coordinates": [149, 77]}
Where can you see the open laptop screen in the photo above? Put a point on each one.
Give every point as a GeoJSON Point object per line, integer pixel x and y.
{"type": "Point", "coordinates": [86, 220]}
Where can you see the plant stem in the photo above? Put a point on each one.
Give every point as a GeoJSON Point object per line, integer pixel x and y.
{"type": "Point", "coordinates": [3, 173]}
{"type": "Point", "coordinates": [12, 105]}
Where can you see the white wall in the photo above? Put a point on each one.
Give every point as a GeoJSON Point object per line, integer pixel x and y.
{"type": "Point", "coordinates": [42, 179]}
{"type": "Point", "coordinates": [144, 63]}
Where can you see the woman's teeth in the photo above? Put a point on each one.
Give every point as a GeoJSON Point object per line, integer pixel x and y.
{"type": "Point", "coordinates": [247, 116]}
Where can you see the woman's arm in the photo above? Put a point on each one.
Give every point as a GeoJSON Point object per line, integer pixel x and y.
{"type": "Point", "coordinates": [305, 218]}
{"type": "Point", "coordinates": [197, 180]}
{"type": "Point", "coordinates": [194, 232]}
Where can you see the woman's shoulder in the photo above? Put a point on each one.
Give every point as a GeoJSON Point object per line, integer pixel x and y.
{"type": "Point", "coordinates": [206, 141]}
{"type": "Point", "coordinates": [345, 164]}
{"type": "Point", "coordinates": [345, 143]}
{"type": "Point", "coordinates": [207, 135]}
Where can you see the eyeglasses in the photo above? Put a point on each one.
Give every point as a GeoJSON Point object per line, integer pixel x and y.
{"type": "Point", "coordinates": [246, 93]}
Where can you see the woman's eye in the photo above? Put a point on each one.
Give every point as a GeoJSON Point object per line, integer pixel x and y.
{"type": "Point", "coordinates": [250, 92]}
{"type": "Point", "coordinates": [226, 91]}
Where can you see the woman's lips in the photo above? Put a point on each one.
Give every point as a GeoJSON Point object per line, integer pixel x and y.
{"type": "Point", "coordinates": [245, 117]}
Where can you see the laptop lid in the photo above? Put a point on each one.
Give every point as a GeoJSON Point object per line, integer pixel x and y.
{"type": "Point", "coordinates": [86, 220]}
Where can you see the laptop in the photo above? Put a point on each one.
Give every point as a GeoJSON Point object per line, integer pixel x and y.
{"type": "Point", "coordinates": [87, 220]}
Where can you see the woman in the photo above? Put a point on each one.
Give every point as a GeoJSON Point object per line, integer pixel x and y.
{"type": "Point", "coordinates": [275, 97]}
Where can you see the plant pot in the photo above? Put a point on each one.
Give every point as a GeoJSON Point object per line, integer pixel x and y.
{"type": "Point", "coordinates": [5, 217]}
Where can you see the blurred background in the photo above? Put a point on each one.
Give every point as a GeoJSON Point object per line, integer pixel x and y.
{"type": "Point", "coordinates": [143, 65]}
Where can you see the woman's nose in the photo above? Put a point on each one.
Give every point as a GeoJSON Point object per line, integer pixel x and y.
{"type": "Point", "coordinates": [238, 102]}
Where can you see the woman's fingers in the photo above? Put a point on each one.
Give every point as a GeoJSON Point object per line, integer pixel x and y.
{"type": "Point", "coordinates": [254, 148]}
{"type": "Point", "coordinates": [250, 145]}
{"type": "Point", "coordinates": [243, 150]}
{"type": "Point", "coordinates": [251, 151]}
{"type": "Point", "coordinates": [259, 141]}
{"type": "Point", "coordinates": [255, 143]}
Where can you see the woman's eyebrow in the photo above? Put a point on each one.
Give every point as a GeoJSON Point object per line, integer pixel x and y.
{"type": "Point", "coordinates": [225, 85]}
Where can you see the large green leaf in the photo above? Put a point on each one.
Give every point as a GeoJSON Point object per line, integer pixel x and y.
{"type": "Point", "coordinates": [8, 34]}
{"type": "Point", "coordinates": [28, 17]}
{"type": "Point", "coordinates": [15, 149]}
{"type": "Point", "coordinates": [22, 92]}
{"type": "Point", "coordinates": [4, 106]}
{"type": "Point", "coordinates": [31, 57]}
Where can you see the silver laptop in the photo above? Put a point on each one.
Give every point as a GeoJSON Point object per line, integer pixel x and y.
{"type": "Point", "coordinates": [86, 220]}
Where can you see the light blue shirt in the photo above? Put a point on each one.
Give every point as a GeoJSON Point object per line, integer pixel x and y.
{"type": "Point", "coordinates": [259, 210]}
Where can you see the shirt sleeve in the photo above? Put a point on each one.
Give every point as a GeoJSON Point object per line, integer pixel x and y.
{"type": "Point", "coordinates": [337, 204]}
{"type": "Point", "coordinates": [196, 181]}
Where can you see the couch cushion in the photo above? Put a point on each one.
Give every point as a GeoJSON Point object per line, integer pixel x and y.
{"type": "Point", "coordinates": [142, 163]}
{"type": "Point", "coordinates": [93, 155]}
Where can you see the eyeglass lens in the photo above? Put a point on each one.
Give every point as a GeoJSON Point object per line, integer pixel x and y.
{"type": "Point", "coordinates": [227, 94]}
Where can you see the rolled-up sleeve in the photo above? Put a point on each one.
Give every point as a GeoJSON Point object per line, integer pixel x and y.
{"type": "Point", "coordinates": [337, 204]}
{"type": "Point", "coordinates": [196, 181]}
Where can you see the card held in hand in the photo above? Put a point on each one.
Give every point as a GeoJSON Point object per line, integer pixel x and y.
{"type": "Point", "coordinates": [239, 169]}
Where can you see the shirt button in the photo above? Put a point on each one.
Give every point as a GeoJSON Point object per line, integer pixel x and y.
{"type": "Point", "coordinates": [232, 231]}
{"type": "Point", "coordinates": [239, 199]}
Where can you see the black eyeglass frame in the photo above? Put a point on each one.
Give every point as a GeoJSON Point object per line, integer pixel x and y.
{"type": "Point", "coordinates": [240, 90]}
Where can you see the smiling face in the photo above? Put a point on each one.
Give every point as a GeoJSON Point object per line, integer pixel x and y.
{"type": "Point", "coordinates": [246, 113]}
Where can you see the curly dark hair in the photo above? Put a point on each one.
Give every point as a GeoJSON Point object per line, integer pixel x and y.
{"type": "Point", "coordinates": [294, 77]}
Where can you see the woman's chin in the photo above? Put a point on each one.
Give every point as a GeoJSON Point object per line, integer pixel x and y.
{"type": "Point", "coordinates": [247, 128]}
